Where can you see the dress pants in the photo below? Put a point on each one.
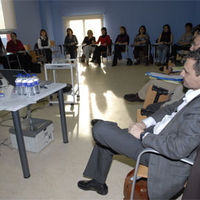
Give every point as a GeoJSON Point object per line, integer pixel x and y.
{"type": "Point", "coordinates": [72, 50]}
{"type": "Point", "coordinates": [97, 53]}
{"type": "Point", "coordinates": [117, 52]}
{"type": "Point", "coordinates": [110, 140]}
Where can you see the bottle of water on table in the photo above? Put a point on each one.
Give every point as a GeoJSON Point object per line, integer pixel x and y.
{"type": "Point", "coordinates": [30, 86]}
{"type": "Point", "coordinates": [36, 84]}
{"type": "Point", "coordinates": [24, 85]}
{"type": "Point", "coordinates": [18, 84]}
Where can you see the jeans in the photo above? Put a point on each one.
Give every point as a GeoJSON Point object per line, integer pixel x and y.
{"type": "Point", "coordinates": [162, 51]}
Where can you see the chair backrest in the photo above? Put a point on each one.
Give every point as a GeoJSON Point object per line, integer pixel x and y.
{"type": "Point", "coordinates": [52, 43]}
{"type": "Point", "coordinates": [27, 47]}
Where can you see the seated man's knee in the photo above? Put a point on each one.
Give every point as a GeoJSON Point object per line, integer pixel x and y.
{"type": "Point", "coordinates": [102, 128]}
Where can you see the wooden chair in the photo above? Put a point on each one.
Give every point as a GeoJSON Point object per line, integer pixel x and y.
{"type": "Point", "coordinates": [141, 171]}
{"type": "Point", "coordinates": [150, 99]}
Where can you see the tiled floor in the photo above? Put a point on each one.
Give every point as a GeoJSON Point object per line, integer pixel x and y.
{"type": "Point", "coordinates": [56, 170]}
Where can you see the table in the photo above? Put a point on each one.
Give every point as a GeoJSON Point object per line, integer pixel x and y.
{"type": "Point", "coordinates": [13, 103]}
{"type": "Point", "coordinates": [67, 64]}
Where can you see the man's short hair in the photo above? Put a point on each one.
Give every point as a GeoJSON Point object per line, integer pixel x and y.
{"type": "Point", "coordinates": [195, 55]}
{"type": "Point", "coordinates": [196, 29]}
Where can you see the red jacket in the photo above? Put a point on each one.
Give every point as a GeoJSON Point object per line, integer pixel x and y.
{"type": "Point", "coordinates": [104, 40]}
{"type": "Point", "coordinates": [14, 48]}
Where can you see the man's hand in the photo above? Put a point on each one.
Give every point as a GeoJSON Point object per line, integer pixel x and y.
{"type": "Point", "coordinates": [136, 129]}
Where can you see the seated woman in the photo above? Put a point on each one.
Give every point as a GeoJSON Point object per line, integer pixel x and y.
{"type": "Point", "coordinates": [164, 41]}
{"type": "Point", "coordinates": [45, 46]}
{"type": "Point", "coordinates": [70, 44]}
{"type": "Point", "coordinates": [88, 45]}
{"type": "Point", "coordinates": [140, 44]}
{"type": "Point", "coordinates": [120, 44]}
{"type": "Point", "coordinates": [16, 47]}
{"type": "Point", "coordinates": [184, 42]}
{"type": "Point", "coordinates": [104, 41]}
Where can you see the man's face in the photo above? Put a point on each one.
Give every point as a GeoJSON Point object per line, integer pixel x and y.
{"type": "Point", "coordinates": [195, 43]}
{"type": "Point", "coordinates": [191, 80]}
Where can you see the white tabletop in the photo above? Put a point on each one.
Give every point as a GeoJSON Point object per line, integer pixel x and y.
{"type": "Point", "coordinates": [61, 63]}
{"type": "Point", "coordinates": [14, 102]}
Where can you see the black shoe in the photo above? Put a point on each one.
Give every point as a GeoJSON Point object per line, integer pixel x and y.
{"type": "Point", "coordinates": [94, 121]}
{"type": "Point", "coordinates": [92, 61]}
{"type": "Point", "coordinates": [132, 97]}
{"type": "Point", "coordinates": [114, 64]}
{"type": "Point", "coordinates": [94, 186]}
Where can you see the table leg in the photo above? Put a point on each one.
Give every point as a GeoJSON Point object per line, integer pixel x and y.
{"type": "Point", "coordinates": [20, 143]}
{"type": "Point", "coordinates": [62, 116]}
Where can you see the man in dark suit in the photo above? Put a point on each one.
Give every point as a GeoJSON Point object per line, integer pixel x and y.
{"type": "Point", "coordinates": [173, 131]}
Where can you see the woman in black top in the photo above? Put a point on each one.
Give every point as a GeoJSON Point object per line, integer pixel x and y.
{"type": "Point", "coordinates": [45, 46]}
{"type": "Point", "coordinates": [140, 44]}
{"type": "Point", "coordinates": [164, 41]}
{"type": "Point", "coordinates": [70, 44]}
{"type": "Point", "coordinates": [121, 43]}
{"type": "Point", "coordinates": [88, 46]}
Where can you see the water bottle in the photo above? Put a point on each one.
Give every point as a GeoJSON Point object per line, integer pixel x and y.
{"type": "Point", "coordinates": [36, 84]}
{"type": "Point", "coordinates": [30, 86]}
{"type": "Point", "coordinates": [24, 85]}
{"type": "Point", "coordinates": [18, 84]}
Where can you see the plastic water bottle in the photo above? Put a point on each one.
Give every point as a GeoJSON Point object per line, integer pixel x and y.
{"type": "Point", "coordinates": [36, 84]}
{"type": "Point", "coordinates": [30, 86]}
{"type": "Point", "coordinates": [18, 84]}
{"type": "Point", "coordinates": [24, 85]}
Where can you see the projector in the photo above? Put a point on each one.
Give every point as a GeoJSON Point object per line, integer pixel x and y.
{"type": "Point", "coordinates": [37, 135]}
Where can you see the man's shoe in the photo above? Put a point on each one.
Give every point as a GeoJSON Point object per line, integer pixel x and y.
{"type": "Point", "coordinates": [94, 186]}
{"type": "Point", "coordinates": [132, 97]}
{"type": "Point", "coordinates": [94, 121]}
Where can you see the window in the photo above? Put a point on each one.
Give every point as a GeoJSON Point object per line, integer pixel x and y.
{"type": "Point", "coordinates": [81, 24]}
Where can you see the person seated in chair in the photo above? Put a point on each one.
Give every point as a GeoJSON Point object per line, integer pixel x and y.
{"type": "Point", "coordinates": [173, 131]}
{"type": "Point", "coordinates": [16, 47]}
{"type": "Point", "coordinates": [70, 44]}
{"type": "Point", "coordinates": [164, 41]}
{"type": "Point", "coordinates": [45, 46]}
{"type": "Point", "coordinates": [184, 42]}
{"type": "Point", "coordinates": [102, 44]}
{"type": "Point", "coordinates": [140, 45]}
{"type": "Point", "coordinates": [88, 46]}
{"type": "Point", "coordinates": [121, 42]}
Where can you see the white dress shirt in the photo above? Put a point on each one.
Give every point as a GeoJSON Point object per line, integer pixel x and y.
{"type": "Point", "coordinates": [159, 126]}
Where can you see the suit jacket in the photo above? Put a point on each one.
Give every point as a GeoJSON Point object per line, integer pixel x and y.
{"type": "Point", "coordinates": [179, 139]}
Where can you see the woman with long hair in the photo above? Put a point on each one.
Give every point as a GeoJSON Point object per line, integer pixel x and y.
{"type": "Point", "coordinates": [121, 42]}
{"type": "Point", "coordinates": [140, 44]}
{"type": "Point", "coordinates": [70, 44]}
{"type": "Point", "coordinates": [103, 43]}
{"type": "Point", "coordinates": [45, 46]}
{"type": "Point", "coordinates": [164, 41]}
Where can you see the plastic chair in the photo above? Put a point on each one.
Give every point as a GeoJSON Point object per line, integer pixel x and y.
{"type": "Point", "coordinates": [144, 170]}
